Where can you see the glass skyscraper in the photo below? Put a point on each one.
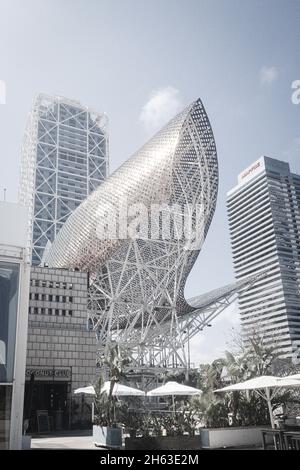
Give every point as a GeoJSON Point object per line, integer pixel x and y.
{"type": "Point", "coordinates": [64, 158]}
{"type": "Point", "coordinates": [264, 221]}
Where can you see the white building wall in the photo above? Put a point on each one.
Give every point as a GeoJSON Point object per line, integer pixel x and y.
{"type": "Point", "coordinates": [12, 250]}
{"type": "Point", "coordinates": [264, 221]}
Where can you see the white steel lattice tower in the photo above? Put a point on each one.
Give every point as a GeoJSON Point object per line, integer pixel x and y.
{"type": "Point", "coordinates": [64, 158]}
{"type": "Point", "coordinates": [137, 282]}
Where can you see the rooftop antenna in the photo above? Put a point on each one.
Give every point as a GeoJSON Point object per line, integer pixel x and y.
{"type": "Point", "coordinates": [4, 194]}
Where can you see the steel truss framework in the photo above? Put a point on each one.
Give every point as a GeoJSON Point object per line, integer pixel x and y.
{"type": "Point", "coordinates": [64, 159]}
{"type": "Point", "coordinates": [155, 338]}
{"type": "Point", "coordinates": [136, 295]}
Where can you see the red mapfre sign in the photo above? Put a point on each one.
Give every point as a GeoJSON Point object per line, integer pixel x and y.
{"type": "Point", "coordinates": [250, 170]}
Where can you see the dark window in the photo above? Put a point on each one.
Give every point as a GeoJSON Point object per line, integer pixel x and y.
{"type": "Point", "coordinates": [42, 311]}
{"type": "Point", "coordinates": [43, 297]}
{"type": "Point", "coordinates": [35, 311]}
{"type": "Point", "coordinates": [64, 298]}
{"type": "Point", "coordinates": [5, 408]}
{"type": "Point", "coordinates": [70, 312]}
{"type": "Point", "coordinates": [63, 312]}
{"type": "Point", "coordinates": [49, 311]}
{"type": "Point", "coordinates": [36, 296]}
{"type": "Point", "coordinates": [70, 299]}
{"type": "Point", "coordinates": [50, 298]}
{"type": "Point", "coordinates": [50, 284]}
{"type": "Point", "coordinates": [57, 298]}
{"type": "Point", "coordinates": [56, 311]}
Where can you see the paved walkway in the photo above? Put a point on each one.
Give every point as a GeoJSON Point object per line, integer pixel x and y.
{"type": "Point", "coordinates": [72, 440]}
{"type": "Point", "coordinates": [78, 440]}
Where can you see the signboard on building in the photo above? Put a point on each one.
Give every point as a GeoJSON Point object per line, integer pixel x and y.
{"type": "Point", "coordinates": [251, 171]}
{"type": "Point", "coordinates": [49, 373]}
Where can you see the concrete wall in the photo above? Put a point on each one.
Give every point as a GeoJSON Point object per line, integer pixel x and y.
{"type": "Point", "coordinates": [13, 224]}
{"type": "Point", "coordinates": [231, 437]}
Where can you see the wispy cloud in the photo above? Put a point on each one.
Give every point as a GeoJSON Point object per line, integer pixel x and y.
{"type": "Point", "coordinates": [162, 105]}
{"type": "Point", "coordinates": [268, 75]}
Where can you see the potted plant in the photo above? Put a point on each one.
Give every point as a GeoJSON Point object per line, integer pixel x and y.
{"type": "Point", "coordinates": [167, 431]}
{"type": "Point", "coordinates": [107, 430]}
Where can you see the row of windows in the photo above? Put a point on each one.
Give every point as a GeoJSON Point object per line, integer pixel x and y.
{"type": "Point", "coordinates": [51, 284]}
{"type": "Point", "coordinates": [50, 311]}
{"type": "Point", "coordinates": [50, 297]}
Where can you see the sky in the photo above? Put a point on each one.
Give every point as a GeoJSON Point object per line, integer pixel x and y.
{"type": "Point", "coordinates": [141, 62]}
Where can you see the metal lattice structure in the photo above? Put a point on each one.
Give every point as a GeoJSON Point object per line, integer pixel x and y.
{"type": "Point", "coordinates": [64, 159]}
{"type": "Point", "coordinates": [137, 283]}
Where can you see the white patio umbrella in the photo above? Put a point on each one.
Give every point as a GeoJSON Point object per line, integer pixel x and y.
{"type": "Point", "coordinates": [120, 390]}
{"type": "Point", "coordinates": [292, 377]}
{"type": "Point", "coordinates": [173, 389]}
{"type": "Point", "coordinates": [267, 386]}
{"type": "Point", "coordinates": [85, 390]}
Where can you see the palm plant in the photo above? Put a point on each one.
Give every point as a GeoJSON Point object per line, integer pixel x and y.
{"type": "Point", "coordinates": [109, 410]}
{"type": "Point", "coordinates": [243, 363]}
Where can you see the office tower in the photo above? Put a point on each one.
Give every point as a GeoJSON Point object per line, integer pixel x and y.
{"type": "Point", "coordinates": [64, 158]}
{"type": "Point", "coordinates": [264, 221]}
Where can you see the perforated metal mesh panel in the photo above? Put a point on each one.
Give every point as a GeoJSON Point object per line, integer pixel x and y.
{"type": "Point", "coordinates": [136, 294]}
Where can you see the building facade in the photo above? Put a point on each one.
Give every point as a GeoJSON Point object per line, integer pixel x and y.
{"type": "Point", "coordinates": [64, 158]}
{"type": "Point", "coordinates": [61, 352]}
{"type": "Point", "coordinates": [264, 221]}
{"type": "Point", "coordinates": [14, 293]}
